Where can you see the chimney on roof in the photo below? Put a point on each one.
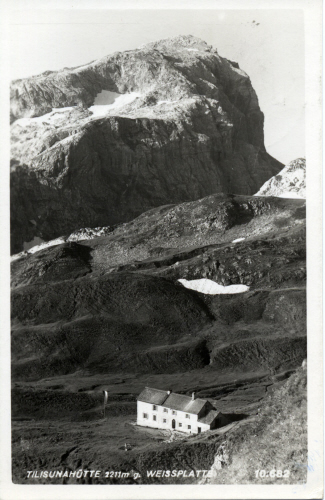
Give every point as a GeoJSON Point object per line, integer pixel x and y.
{"type": "Point", "coordinates": [168, 392]}
{"type": "Point", "coordinates": [193, 396]}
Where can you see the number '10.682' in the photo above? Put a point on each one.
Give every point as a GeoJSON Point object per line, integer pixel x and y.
{"type": "Point", "coordinates": [272, 473]}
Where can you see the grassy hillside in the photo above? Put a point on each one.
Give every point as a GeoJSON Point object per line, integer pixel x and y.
{"type": "Point", "coordinates": [108, 313]}
{"type": "Point", "coordinates": [276, 439]}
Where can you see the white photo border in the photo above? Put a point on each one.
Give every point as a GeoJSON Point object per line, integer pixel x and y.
{"type": "Point", "coordinates": [313, 70]}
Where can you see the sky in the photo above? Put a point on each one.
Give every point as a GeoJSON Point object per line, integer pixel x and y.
{"type": "Point", "coordinates": [267, 44]}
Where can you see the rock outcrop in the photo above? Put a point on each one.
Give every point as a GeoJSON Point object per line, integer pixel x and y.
{"type": "Point", "coordinates": [99, 144]}
{"type": "Point", "coordinates": [289, 183]}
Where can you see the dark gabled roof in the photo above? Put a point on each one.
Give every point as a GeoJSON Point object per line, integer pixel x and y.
{"type": "Point", "coordinates": [154, 396]}
{"type": "Point", "coordinates": [209, 417]}
{"type": "Point", "coordinates": [184, 403]}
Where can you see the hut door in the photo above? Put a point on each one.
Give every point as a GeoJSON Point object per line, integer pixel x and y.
{"type": "Point", "coordinates": [198, 430]}
{"type": "Point", "coordinates": [173, 424]}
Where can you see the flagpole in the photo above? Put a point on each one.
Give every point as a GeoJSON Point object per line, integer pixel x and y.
{"type": "Point", "coordinates": [105, 400]}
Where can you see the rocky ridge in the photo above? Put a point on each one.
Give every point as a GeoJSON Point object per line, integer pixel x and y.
{"type": "Point", "coordinates": [181, 123]}
{"type": "Point", "coordinates": [290, 182]}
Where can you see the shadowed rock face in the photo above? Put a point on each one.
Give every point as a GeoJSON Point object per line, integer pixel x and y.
{"type": "Point", "coordinates": [187, 124]}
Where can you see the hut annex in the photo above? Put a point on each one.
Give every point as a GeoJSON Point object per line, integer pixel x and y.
{"type": "Point", "coordinates": [168, 410]}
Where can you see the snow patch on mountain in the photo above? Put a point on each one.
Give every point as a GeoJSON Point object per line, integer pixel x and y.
{"type": "Point", "coordinates": [37, 244]}
{"type": "Point", "coordinates": [88, 233]}
{"type": "Point", "coordinates": [51, 118]}
{"type": "Point", "coordinates": [210, 287]}
{"type": "Point", "coordinates": [46, 244]}
{"type": "Point", "coordinates": [100, 110]}
{"type": "Point", "coordinates": [289, 183]}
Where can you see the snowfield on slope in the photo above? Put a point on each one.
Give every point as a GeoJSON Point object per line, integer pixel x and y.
{"type": "Point", "coordinates": [100, 110]}
{"type": "Point", "coordinates": [210, 287]}
{"type": "Point", "coordinates": [51, 118]}
{"type": "Point", "coordinates": [38, 244]}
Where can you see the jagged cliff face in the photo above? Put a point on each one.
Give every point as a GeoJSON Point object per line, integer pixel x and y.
{"type": "Point", "coordinates": [181, 122]}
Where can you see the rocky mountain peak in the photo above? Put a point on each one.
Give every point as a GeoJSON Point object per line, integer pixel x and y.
{"type": "Point", "coordinates": [289, 183]}
{"type": "Point", "coordinates": [180, 42]}
{"type": "Point", "coordinates": [103, 142]}
{"type": "Point", "coordinates": [154, 69]}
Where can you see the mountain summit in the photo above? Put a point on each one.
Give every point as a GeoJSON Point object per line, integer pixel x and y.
{"type": "Point", "coordinates": [101, 143]}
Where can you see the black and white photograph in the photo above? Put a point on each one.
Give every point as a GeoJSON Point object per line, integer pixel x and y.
{"type": "Point", "coordinates": [161, 329]}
